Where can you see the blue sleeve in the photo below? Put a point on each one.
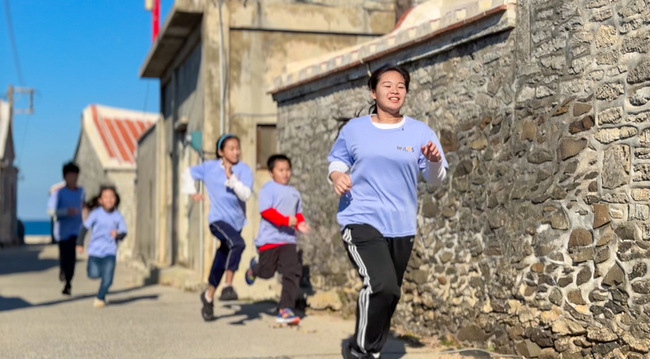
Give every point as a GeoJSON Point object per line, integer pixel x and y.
{"type": "Point", "coordinates": [198, 172]}
{"type": "Point", "coordinates": [265, 199]}
{"type": "Point", "coordinates": [431, 136]}
{"type": "Point", "coordinates": [121, 225]}
{"type": "Point", "coordinates": [90, 221]}
{"type": "Point", "coordinates": [340, 150]}
{"type": "Point", "coordinates": [247, 177]}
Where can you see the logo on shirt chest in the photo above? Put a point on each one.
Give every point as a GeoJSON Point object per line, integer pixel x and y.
{"type": "Point", "coordinates": [406, 148]}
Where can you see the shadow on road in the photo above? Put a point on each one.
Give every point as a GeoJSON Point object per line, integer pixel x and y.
{"type": "Point", "coordinates": [127, 300]}
{"type": "Point", "coordinates": [12, 303]}
{"type": "Point", "coordinates": [395, 347]}
{"type": "Point", "coordinates": [252, 311]}
{"type": "Point", "coordinates": [24, 259]}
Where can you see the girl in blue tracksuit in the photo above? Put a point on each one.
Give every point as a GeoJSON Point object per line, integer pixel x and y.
{"type": "Point", "coordinates": [107, 227]}
{"type": "Point", "coordinates": [374, 166]}
{"type": "Point", "coordinates": [229, 184]}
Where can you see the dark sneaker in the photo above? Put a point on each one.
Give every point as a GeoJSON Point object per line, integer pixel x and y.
{"type": "Point", "coordinates": [228, 293]}
{"type": "Point", "coordinates": [286, 316]}
{"type": "Point", "coordinates": [67, 290]}
{"type": "Point", "coordinates": [348, 352]}
{"type": "Point", "coordinates": [207, 312]}
{"type": "Point", "coordinates": [250, 278]}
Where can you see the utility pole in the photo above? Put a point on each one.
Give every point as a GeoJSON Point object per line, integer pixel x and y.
{"type": "Point", "coordinates": [27, 91]}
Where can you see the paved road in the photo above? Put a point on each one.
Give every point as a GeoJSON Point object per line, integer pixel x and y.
{"type": "Point", "coordinates": [37, 321]}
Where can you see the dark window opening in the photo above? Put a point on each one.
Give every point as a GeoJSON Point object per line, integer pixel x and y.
{"type": "Point", "coordinates": [267, 144]}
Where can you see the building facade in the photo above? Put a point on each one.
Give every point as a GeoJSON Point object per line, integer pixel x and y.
{"type": "Point", "coordinates": [8, 180]}
{"type": "Point", "coordinates": [215, 65]}
{"type": "Point", "coordinates": [106, 155]}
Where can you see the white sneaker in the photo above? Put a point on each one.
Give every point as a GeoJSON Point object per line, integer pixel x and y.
{"type": "Point", "coordinates": [98, 303]}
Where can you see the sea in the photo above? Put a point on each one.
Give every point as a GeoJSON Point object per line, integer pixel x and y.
{"type": "Point", "coordinates": [37, 228]}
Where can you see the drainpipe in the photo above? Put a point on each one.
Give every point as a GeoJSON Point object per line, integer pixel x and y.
{"type": "Point", "coordinates": [222, 75]}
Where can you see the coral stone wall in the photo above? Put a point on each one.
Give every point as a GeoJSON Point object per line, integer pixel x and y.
{"type": "Point", "coordinates": [539, 240]}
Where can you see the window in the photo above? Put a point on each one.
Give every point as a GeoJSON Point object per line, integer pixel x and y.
{"type": "Point", "coordinates": [267, 144]}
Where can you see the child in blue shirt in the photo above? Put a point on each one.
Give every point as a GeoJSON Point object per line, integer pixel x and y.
{"type": "Point", "coordinates": [374, 165]}
{"type": "Point", "coordinates": [281, 209]}
{"type": "Point", "coordinates": [65, 205]}
{"type": "Point", "coordinates": [107, 227]}
{"type": "Point", "coordinates": [229, 184]}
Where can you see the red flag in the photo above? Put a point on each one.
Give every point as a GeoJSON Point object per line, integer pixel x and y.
{"type": "Point", "coordinates": [155, 16]}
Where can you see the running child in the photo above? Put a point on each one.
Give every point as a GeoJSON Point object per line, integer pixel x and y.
{"type": "Point", "coordinates": [281, 209]}
{"type": "Point", "coordinates": [107, 227]}
{"type": "Point", "coordinates": [229, 184]}
{"type": "Point", "coordinates": [65, 205]}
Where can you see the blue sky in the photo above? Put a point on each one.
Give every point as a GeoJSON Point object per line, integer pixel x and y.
{"type": "Point", "coordinates": [74, 53]}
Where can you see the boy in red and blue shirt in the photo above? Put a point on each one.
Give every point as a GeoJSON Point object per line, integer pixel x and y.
{"type": "Point", "coordinates": [281, 209]}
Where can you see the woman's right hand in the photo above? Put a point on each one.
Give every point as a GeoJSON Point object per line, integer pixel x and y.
{"type": "Point", "coordinates": [227, 166]}
{"type": "Point", "coordinates": [342, 182]}
{"type": "Point", "coordinates": [197, 197]}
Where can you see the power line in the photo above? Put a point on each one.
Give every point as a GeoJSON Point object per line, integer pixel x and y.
{"type": "Point", "coordinates": [14, 48]}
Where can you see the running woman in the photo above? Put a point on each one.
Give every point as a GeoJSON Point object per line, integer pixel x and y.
{"type": "Point", "coordinates": [374, 166]}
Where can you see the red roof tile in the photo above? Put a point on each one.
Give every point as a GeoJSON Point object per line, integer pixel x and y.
{"type": "Point", "coordinates": [120, 135]}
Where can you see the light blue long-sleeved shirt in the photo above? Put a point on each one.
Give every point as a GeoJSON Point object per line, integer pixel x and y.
{"type": "Point", "coordinates": [60, 201]}
{"type": "Point", "coordinates": [225, 205]}
{"type": "Point", "coordinates": [286, 200]}
{"type": "Point", "coordinates": [101, 223]}
{"type": "Point", "coordinates": [384, 167]}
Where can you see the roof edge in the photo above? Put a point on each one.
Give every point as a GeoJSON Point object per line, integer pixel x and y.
{"type": "Point", "coordinates": [168, 39]}
{"type": "Point", "coordinates": [388, 44]}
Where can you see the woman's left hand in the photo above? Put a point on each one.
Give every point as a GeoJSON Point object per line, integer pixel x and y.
{"type": "Point", "coordinates": [431, 152]}
{"type": "Point", "coordinates": [114, 233]}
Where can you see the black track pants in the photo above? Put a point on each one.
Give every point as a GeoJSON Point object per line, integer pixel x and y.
{"type": "Point", "coordinates": [381, 263]}
{"type": "Point", "coordinates": [68, 257]}
{"type": "Point", "coordinates": [284, 260]}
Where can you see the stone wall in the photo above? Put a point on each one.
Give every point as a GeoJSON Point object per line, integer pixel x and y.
{"type": "Point", "coordinates": [538, 241]}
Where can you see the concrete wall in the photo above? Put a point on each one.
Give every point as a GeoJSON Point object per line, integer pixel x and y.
{"type": "Point", "coordinates": [537, 243]}
{"type": "Point", "coordinates": [8, 197]}
{"type": "Point", "coordinates": [147, 232]}
{"type": "Point", "coordinates": [182, 107]}
{"type": "Point", "coordinates": [91, 173]}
